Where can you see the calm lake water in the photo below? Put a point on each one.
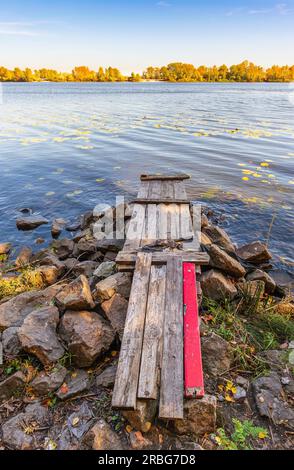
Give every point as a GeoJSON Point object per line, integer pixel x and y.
{"type": "Point", "coordinates": [66, 147]}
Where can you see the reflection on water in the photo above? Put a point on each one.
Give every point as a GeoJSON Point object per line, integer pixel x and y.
{"type": "Point", "coordinates": [65, 147]}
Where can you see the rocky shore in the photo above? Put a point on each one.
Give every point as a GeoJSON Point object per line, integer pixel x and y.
{"type": "Point", "coordinates": [62, 313]}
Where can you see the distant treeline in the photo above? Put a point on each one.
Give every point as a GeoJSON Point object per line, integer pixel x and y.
{"type": "Point", "coordinates": [174, 72]}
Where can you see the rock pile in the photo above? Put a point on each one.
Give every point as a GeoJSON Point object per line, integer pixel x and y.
{"type": "Point", "coordinates": [77, 321]}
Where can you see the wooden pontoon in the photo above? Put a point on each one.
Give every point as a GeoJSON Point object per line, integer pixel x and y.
{"type": "Point", "coordinates": [160, 356]}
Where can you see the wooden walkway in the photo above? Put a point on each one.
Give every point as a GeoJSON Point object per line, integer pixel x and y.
{"type": "Point", "coordinates": [163, 250]}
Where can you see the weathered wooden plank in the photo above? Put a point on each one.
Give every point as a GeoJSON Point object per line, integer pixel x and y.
{"type": "Point", "coordinates": [201, 258]}
{"type": "Point", "coordinates": [174, 217]}
{"type": "Point", "coordinates": [193, 373]}
{"type": "Point", "coordinates": [171, 390]}
{"type": "Point", "coordinates": [135, 230]}
{"type": "Point", "coordinates": [150, 225]}
{"type": "Point", "coordinates": [152, 342]}
{"type": "Point", "coordinates": [167, 189]}
{"type": "Point", "coordinates": [160, 201]}
{"type": "Point", "coordinates": [181, 176]}
{"type": "Point", "coordinates": [127, 376]}
{"type": "Point", "coordinates": [187, 227]}
{"type": "Point", "coordinates": [154, 189]}
{"type": "Point", "coordinates": [180, 191]}
{"type": "Point", "coordinates": [143, 190]}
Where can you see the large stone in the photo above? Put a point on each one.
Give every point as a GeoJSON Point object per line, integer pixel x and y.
{"type": "Point", "coordinates": [110, 245]}
{"type": "Point", "coordinates": [5, 248]}
{"type": "Point", "coordinates": [216, 354]}
{"type": "Point", "coordinates": [86, 334]}
{"type": "Point", "coordinates": [10, 342]}
{"type": "Point", "coordinates": [12, 386]}
{"type": "Point", "coordinates": [216, 286]}
{"type": "Point", "coordinates": [142, 418]}
{"type": "Point", "coordinates": [57, 227]}
{"type": "Point", "coordinates": [199, 416]}
{"type": "Point", "coordinates": [75, 296]}
{"type": "Point", "coordinates": [47, 382]}
{"type": "Point", "coordinates": [85, 267]}
{"type": "Point", "coordinates": [255, 253]}
{"type": "Point", "coordinates": [102, 437]}
{"type": "Point", "coordinates": [62, 248]}
{"type": "Point", "coordinates": [49, 274]}
{"type": "Point", "coordinates": [218, 236]}
{"type": "Point", "coordinates": [259, 275]}
{"type": "Point", "coordinates": [107, 377]}
{"type": "Point", "coordinates": [268, 394]}
{"type": "Point", "coordinates": [21, 431]}
{"type": "Point", "coordinates": [115, 310]}
{"type": "Point", "coordinates": [119, 283]}
{"type": "Point", "coordinates": [38, 335]}
{"type": "Point", "coordinates": [85, 247]}
{"type": "Point", "coordinates": [205, 240]}
{"type": "Point", "coordinates": [221, 260]}
{"type": "Point", "coordinates": [47, 258]}
{"type": "Point", "coordinates": [105, 269]}
{"type": "Point", "coordinates": [24, 256]}
{"type": "Point", "coordinates": [14, 311]}
{"type": "Point", "coordinates": [75, 383]}
{"type": "Point", "coordinates": [31, 222]}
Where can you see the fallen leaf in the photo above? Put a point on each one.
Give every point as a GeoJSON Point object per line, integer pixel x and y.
{"type": "Point", "coordinates": [64, 388]}
{"type": "Point", "coordinates": [75, 421]}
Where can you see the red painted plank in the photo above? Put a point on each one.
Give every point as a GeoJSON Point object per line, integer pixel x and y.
{"type": "Point", "coordinates": [193, 373]}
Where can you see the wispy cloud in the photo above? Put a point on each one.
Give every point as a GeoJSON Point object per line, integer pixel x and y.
{"type": "Point", "coordinates": [163, 3]}
{"type": "Point", "coordinates": [23, 28]}
{"type": "Point", "coordinates": [279, 9]}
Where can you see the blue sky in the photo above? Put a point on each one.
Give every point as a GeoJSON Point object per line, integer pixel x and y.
{"type": "Point", "coordinates": [134, 34]}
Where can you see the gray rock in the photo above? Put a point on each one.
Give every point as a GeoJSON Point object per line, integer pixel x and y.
{"type": "Point", "coordinates": [268, 394]}
{"type": "Point", "coordinates": [75, 383]}
{"type": "Point", "coordinates": [110, 245]}
{"type": "Point", "coordinates": [119, 283]}
{"type": "Point", "coordinates": [255, 253]}
{"type": "Point", "coordinates": [106, 269]}
{"type": "Point", "coordinates": [37, 335]}
{"type": "Point", "coordinates": [10, 342]}
{"type": "Point", "coordinates": [86, 268]}
{"type": "Point", "coordinates": [219, 237]}
{"type": "Point", "coordinates": [47, 258]}
{"type": "Point", "coordinates": [24, 256]}
{"type": "Point", "coordinates": [221, 260]}
{"type": "Point", "coordinates": [47, 382]}
{"type": "Point", "coordinates": [216, 286]}
{"type": "Point", "coordinates": [110, 256]}
{"type": "Point", "coordinates": [31, 222]}
{"type": "Point", "coordinates": [242, 381]}
{"type": "Point", "coordinates": [5, 248]}
{"type": "Point", "coordinates": [14, 434]}
{"type": "Point", "coordinates": [259, 275]}
{"type": "Point", "coordinates": [199, 416]}
{"type": "Point", "coordinates": [107, 377]}
{"type": "Point", "coordinates": [115, 310]}
{"type": "Point", "coordinates": [79, 422]}
{"type": "Point", "coordinates": [85, 247]}
{"type": "Point", "coordinates": [62, 248]}
{"type": "Point", "coordinates": [102, 437]}
{"type": "Point", "coordinates": [12, 386]}
{"type": "Point", "coordinates": [86, 334]}
{"type": "Point", "coordinates": [216, 354]}
{"type": "Point", "coordinates": [57, 227]}
{"type": "Point", "coordinates": [75, 296]}
{"type": "Point", "coordinates": [204, 221]}
{"type": "Point", "coordinates": [14, 311]}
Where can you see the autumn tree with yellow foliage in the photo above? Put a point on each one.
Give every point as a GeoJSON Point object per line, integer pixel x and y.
{"type": "Point", "coordinates": [174, 72]}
